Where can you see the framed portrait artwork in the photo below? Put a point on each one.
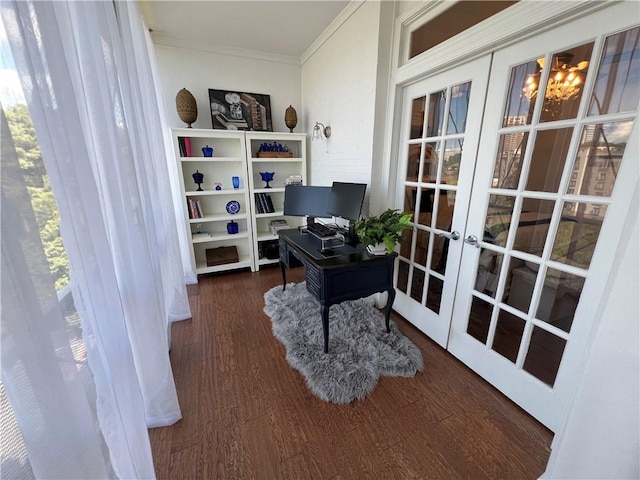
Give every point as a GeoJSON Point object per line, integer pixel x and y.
{"type": "Point", "coordinates": [231, 110]}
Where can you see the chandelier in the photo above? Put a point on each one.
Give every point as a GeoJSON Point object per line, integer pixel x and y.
{"type": "Point", "coordinates": [565, 80]}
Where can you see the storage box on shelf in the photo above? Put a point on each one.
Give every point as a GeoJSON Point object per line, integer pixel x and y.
{"type": "Point", "coordinates": [289, 162]}
{"type": "Point", "coordinates": [212, 203]}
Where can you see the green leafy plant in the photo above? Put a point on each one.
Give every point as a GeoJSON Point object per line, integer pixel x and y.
{"type": "Point", "coordinates": [385, 228]}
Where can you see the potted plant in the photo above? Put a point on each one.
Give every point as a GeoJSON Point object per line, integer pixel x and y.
{"type": "Point", "coordinates": [381, 233]}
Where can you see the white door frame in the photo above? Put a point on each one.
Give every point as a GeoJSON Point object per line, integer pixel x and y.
{"type": "Point", "coordinates": [437, 325]}
{"type": "Point", "coordinates": [520, 21]}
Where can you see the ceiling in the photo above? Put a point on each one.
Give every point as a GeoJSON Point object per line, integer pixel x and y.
{"type": "Point", "coordinates": [275, 27]}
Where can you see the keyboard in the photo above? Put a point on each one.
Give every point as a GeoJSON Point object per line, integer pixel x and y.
{"type": "Point", "coordinates": [320, 230]}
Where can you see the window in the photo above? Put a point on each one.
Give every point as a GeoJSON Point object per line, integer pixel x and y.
{"type": "Point", "coordinates": [456, 19]}
{"type": "Point", "coordinates": [21, 149]}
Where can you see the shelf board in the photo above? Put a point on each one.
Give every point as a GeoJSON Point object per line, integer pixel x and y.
{"type": "Point", "coordinates": [216, 237]}
{"type": "Point", "coordinates": [267, 261]}
{"type": "Point", "coordinates": [263, 236]}
{"type": "Point", "coordinates": [277, 213]}
{"type": "Point", "coordinates": [218, 217]}
{"type": "Point", "coordinates": [224, 191]}
{"type": "Point", "coordinates": [275, 160]}
{"type": "Point", "coordinates": [269, 190]}
{"type": "Point", "coordinates": [244, 262]}
{"type": "Point", "coordinates": [210, 159]}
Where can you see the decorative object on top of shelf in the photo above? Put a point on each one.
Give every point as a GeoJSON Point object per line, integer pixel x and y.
{"type": "Point", "coordinates": [240, 111]}
{"type": "Point", "coordinates": [186, 107]}
{"type": "Point", "coordinates": [267, 177]}
{"type": "Point", "coordinates": [232, 228]}
{"type": "Point", "coordinates": [233, 207]}
{"type": "Point", "coordinates": [235, 182]}
{"type": "Point", "coordinates": [274, 150]}
{"type": "Point", "coordinates": [207, 151]}
{"type": "Point", "coordinates": [290, 118]}
{"type": "Point", "coordinates": [319, 131]}
{"type": "Point", "coordinates": [198, 179]}
{"type": "Point", "coordinates": [381, 233]}
{"type": "Point", "coordinates": [218, 185]}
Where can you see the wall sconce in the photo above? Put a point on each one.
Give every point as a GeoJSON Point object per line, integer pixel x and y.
{"type": "Point", "coordinates": [319, 130]}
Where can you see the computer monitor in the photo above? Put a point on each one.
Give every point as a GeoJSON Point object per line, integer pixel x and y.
{"type": "Point", "coordinates": [346, 200]}
{"type": "Point", "coordinates": [306, 200]}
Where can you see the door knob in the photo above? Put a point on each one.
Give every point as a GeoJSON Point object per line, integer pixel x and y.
{"type": "Point", "coordinates": [455, 235]}
{"type": "Point", "coordinates": [472, 240]}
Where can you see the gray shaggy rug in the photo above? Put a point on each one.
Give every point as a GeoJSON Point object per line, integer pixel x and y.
{"type": "Point", "coordinates": [360, 349]}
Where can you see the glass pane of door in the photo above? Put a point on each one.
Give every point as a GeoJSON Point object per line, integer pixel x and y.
{"type": "Point", "coordinates": [435, 186]}
{"type": "Point", "coordinates": [565, 83]}
{"type": "Point", "coordinates": [433, 170]}
{"type": "Point", "coordinates": [548, 197]}
{"type": "Point", "coordinates": [617, 86]}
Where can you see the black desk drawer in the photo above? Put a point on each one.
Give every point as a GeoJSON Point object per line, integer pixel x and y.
{"type": "Point", "coordinates": [313, 280]}
{"type": "Point", "coordinates": [351, 283]}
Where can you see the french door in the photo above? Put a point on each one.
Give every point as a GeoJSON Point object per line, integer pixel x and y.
{"type": "Point", "coordinates": [442, 131]}
{"type": "Point", "coordinates": [537, 193]}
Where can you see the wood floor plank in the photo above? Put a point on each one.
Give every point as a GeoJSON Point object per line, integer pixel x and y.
{"type": "Point", "coordinates": [248, 414]}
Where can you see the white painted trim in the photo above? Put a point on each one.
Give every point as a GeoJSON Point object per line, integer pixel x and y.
{"type": "Point", "coordinates": [342, 17]}
{"type": "Point", "coordinates": [606, 258]}
{"type": "Point", "coordinates": [384, 102]}
{"type": "Point", "coordinates": [514, 24]}
{"type": "Point", "coordinates": [169, 41]}
{"type": "Point", "coordinates": [522, 21]}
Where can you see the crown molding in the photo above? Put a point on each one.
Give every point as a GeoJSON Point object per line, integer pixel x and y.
{"type": "Point", "coordinates": [344, 15]}
{"type": "Point", "coordinates": [170, 41]}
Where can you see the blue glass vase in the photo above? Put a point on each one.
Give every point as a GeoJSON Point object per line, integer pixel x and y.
{"type": "Point", "coordinates": [207, 151]}
{"type": "Point", "coordinates": [267, 177]}
{"type": "Point", "coordinates": [232, 227]}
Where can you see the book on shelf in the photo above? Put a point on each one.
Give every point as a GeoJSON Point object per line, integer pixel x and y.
{"type": "Point", "coordinates": [293, 180]}
{"type": "Point", "coordinates": [195, 210]}
{"type": "Point", "coordinates": [279, 224]}
{"type": "Point", "coordinates": [264, 203]}
{"type": "Point", "coordinates": [258, 205]}
{"type": "Point", "coordinates": [269, 203]}
{"type": "Point", "coordinates": [191, 208]}
{"type": "Point", "coordinates": [184, 144]}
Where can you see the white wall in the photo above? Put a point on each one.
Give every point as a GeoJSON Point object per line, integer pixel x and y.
{"type": "Point", "coordinates": [198, 70]}
{"type": "Point", "coordinates": [339, 89]}
{"type": "Point", "coordinates": [600, 436]}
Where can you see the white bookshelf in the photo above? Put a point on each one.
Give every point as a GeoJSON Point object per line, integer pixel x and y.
{"type": "Point", "coordinates": [283, 167]}
{"type": "Point", "coordinates": [229, 159]}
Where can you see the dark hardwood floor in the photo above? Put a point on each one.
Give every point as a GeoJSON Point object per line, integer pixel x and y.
{"type": "Point", "coordinates": [248, 415]}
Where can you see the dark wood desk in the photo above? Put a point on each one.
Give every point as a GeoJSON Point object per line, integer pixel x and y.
{"type": "Point", "coordinates": [348, 273]}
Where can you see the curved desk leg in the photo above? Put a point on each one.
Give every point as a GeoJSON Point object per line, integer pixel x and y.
{"type": "Point", "coordinates": [392, 296]}
{"type": "Point", "coordinates": [324, 311]}
{"type": "Point", "coordinates": [283, 269]}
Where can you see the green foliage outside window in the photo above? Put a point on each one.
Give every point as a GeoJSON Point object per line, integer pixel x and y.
{"type": "Point", "coordinates": [42, 201]}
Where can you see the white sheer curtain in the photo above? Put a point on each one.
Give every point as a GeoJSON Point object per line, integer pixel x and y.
{"type": "Point", "coordinates": [87, 78]}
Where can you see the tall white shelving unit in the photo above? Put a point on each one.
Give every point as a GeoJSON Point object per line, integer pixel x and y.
{"type": "Point", "coordinates": [229, 159]}
{"type": "Point", "coordinates": [282, 167]}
